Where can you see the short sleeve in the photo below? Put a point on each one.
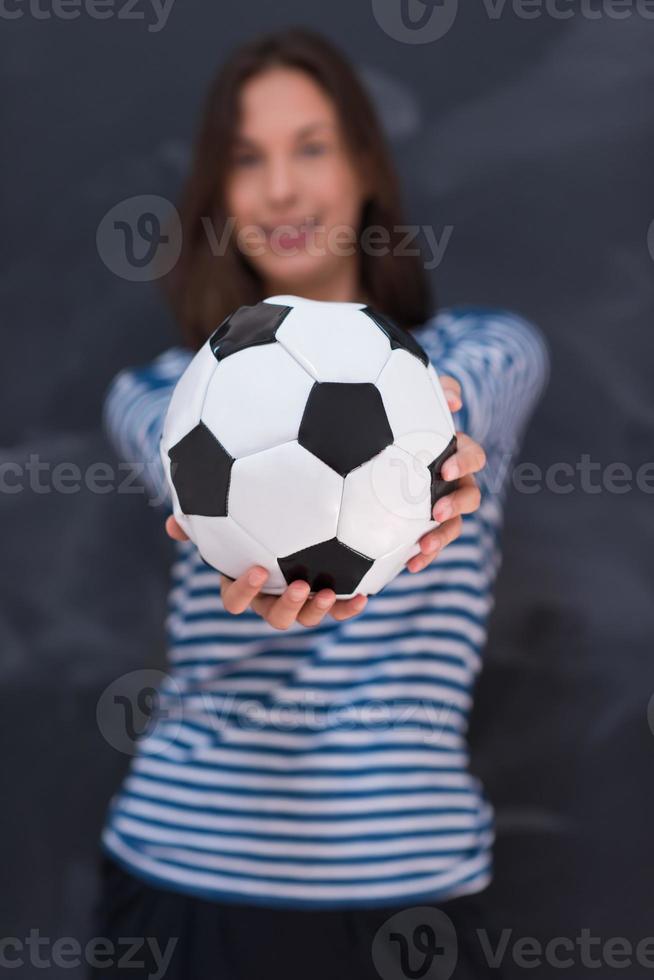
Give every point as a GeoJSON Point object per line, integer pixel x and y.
{"type": "Point", "coordinates": [502, 363]}
{"type": "Point", "coordinates": [133, 414]}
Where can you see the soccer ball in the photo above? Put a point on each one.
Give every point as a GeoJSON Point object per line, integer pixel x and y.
{"type": "Point", "coordinates": [308, 437]}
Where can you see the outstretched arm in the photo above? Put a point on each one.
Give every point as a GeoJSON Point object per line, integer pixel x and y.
{"type": "Point", "coordinates": [501, 362]}
{"type": "Point", "coordinates": [133, 416]}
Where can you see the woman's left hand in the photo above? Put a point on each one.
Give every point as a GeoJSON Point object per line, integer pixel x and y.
{"type": "Point", "coordinates": [469, 458]}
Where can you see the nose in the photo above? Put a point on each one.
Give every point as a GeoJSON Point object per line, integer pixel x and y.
{"type": "Point", "coordinates": [280, 181]}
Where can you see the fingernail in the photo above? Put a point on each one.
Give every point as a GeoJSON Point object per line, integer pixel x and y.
{"type": "Point", "coordinates": [433, 545]}
{"type": "Point", "coordinates": [298, 592]}
{"type": "Point", "coordinates": [450, 470]}
{"type": "Point", "coordinates": [442, 511]}
{"type": "Point", "coordinates": [324, 601]}
{"type": "Point", "coordinates": [256, 577]}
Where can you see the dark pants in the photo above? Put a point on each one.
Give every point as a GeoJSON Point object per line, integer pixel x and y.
{"type": "Point", "coordinates": [180, 937]}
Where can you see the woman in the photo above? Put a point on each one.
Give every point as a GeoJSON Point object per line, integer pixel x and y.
{"type": "Point", "coordinates": [275, 849]}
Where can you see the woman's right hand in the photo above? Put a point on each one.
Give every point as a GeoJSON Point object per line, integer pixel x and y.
{"type": "Point", "coordinates": [283, 610]}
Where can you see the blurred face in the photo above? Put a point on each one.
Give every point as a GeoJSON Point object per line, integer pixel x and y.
{"type": "Point", "coordinates": [293, 190]}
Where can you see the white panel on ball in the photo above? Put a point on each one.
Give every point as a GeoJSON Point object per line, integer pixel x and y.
{"type": "Point", "coordinates": [286, 498]}
{"type": "Point", "coordinates": [426, 446]}
{"type": "Point", "coordinates": [386, 568]}
{"type": "Point", "coordinates": [256, 399]}
{"type": "Point", "coordinates": [420, 415]}
{"type": "Point", "coordinates": [227, 546]}
{"type": "Point", "coordinates": [386, 503]}
{"type": "Point", "coordinates": [335, 341]}
{"type": "Point", "coordinates": [287, 299]}
{"type": "Point", "coordinates": [187, 399]}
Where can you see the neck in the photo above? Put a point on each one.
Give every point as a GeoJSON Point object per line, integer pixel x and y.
{"type": "Point", "coordinates": [346, 288]}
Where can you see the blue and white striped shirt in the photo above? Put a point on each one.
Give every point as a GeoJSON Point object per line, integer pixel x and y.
{"type": "Point", "coordinates": [327, 766]}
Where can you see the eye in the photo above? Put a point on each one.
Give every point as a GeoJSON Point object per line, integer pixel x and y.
{"type": "Point", "coordinates": [313, 149]}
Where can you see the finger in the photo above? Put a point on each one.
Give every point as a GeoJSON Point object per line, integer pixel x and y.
{"type": "Point", "coordinates": [432, 544]}
{"type": "Point", "coordinates": [263, 605]}
{"type": "Point", "coordinates": [174, 531]}
{"type": "Point", "coordinates": [315, 609]}
{"type": "Point", "coordinates": [283, 612]}
{"type": "Point", "coordinates": [464, 500]}
{"type": "Point", "coordinates": [468, 458]}
{"type": "Point", "coordinates": [419, 563]}
{"type": "Point", "coordinates": [452, 390]}
{"type": "Point", "coordinates": [347, 608]}
{"type": "Point", "coordinates": [237, 594]}
{"type": "Point", "coordinates": [441, 536]}
{"type": "Point", "coordinates": [429, 553]}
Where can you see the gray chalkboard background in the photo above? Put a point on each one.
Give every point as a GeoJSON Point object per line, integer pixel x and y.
{"type": "Point", "coordinates": [533, 139]}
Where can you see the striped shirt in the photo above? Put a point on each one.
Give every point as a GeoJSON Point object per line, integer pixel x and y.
{"type": "Point", "coordinates": [327, 766]}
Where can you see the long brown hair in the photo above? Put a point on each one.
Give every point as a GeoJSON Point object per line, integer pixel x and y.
{"type": "Point", "coordinates": [204, 287]}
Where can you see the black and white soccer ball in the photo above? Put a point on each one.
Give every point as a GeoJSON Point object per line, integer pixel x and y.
{"type": "Point", "coordinates": [308, 437]}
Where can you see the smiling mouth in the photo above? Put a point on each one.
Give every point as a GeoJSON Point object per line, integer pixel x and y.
{"type": "Point", "coordinates": [289, 229]}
